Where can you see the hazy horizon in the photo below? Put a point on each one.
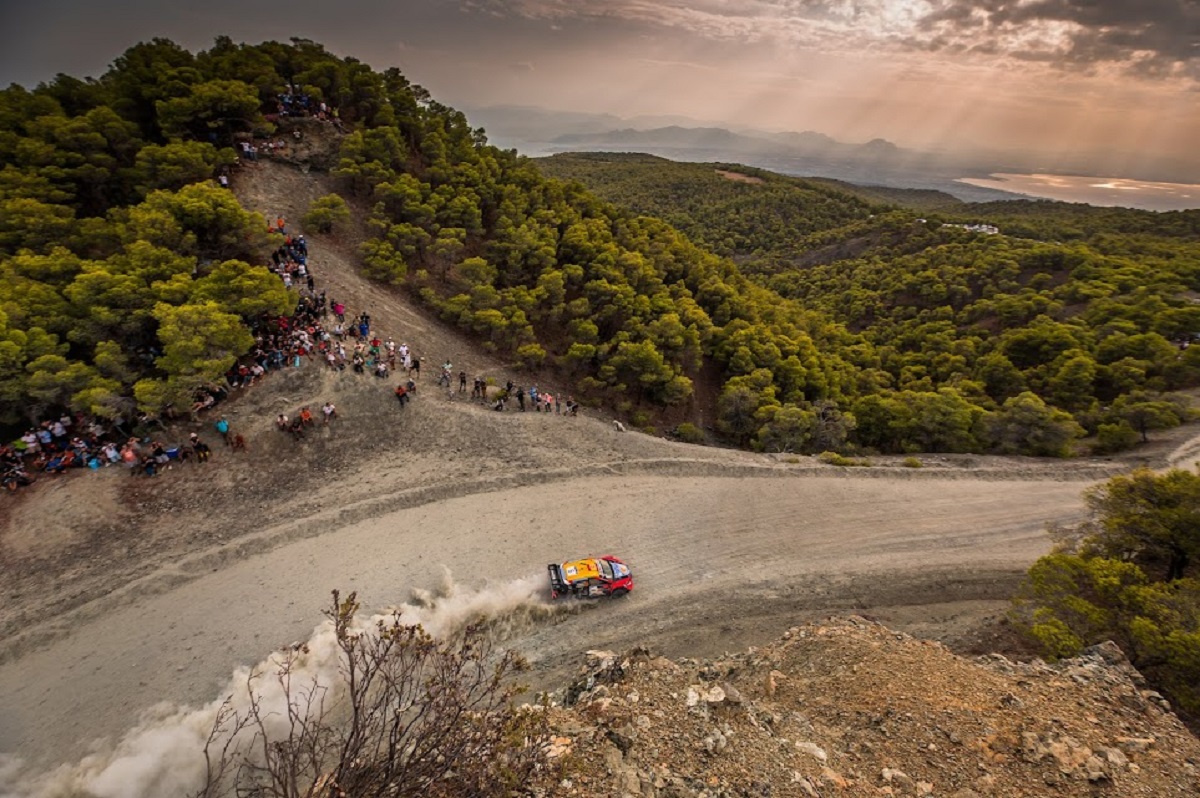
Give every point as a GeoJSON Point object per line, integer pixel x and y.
{"type": "Point", "coordinates": [1116, 80]}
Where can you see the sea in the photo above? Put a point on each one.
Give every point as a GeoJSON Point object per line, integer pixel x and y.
{"type": "Point", "coordinates": [1103, 191]}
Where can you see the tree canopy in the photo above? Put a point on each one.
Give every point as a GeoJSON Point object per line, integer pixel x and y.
{"type": "Point", "coordinates": [1130, 577]}
{"type": "Point", "coordinates": [127, 277]}
{"type": "Point", "coordinates": [1071, 321]}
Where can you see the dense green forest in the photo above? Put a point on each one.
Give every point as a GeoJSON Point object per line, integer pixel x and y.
{"type": "Point", "coordinates": [751, 215]}
{"type": "Point", "coordinates": [788, 315]}
{"type": "Point", "coordinates": [128, 276]}
{"type": "Point", "coordinates": [1073, 319]}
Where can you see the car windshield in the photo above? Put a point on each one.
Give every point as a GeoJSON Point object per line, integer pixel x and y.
{"type": "Point", "coordinates": [606, 569]}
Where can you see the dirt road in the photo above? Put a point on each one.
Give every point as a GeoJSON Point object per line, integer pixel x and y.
{"type": "Point", "coordinates": [719, 563]}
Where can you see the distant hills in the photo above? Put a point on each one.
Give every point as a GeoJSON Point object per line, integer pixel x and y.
{"type": "Point", "coordinates": [878, 162]}
{"type": "Point", "coordinates": [809, 154]}
{"type": "Point", "coordinates": [774, 144]}
{"type": "Point", "coordinates": [719, 136]}
{"type": "Point", "coordinates": [874, 155]}
{"type": "Point", "coordinates": [765, 222]}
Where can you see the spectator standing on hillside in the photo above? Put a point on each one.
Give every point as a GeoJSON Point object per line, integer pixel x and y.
{"type": "Point", "coordinates": [297, 429]}
{"type": "Point", "coordinates": [222, 426]}
{"type": "Point", "coordinates": [329, 411]}
{"type": "Point", "coordinates": [58, 431]}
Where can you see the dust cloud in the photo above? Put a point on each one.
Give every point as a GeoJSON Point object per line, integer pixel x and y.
{"type": "Point", "coordinates": [163, 756]}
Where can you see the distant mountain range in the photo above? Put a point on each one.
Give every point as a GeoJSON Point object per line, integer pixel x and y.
{"type": "Point", "coordinates": [535, 131]}
{"type": "Point", "coordinates": [538, 131]}
{"type": "Point", "coordinates": [774, 144]}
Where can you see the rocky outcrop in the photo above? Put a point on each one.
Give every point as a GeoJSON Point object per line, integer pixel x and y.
{"type": "Point", "coordinates": [852, 708]}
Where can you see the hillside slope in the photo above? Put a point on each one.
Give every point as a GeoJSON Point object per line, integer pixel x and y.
{"type": "Point", "coordinates": [760, 219]}
{"type": "Point", "coordinates": [996, 314]}
{"type": "Point", "coordinates": [850, 708]}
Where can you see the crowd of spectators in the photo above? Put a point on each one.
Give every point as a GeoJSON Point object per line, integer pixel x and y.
{"type": "Point", "coordinates": [318, 332]}
{"type": "Point", "coordinates": [78, 441]}
{"type": "Point", "coordinates": [291, 104]}
{"type": "Point", "coordinates": [526, 398]}
{"type": "Point", "coordinates": [295, 103]}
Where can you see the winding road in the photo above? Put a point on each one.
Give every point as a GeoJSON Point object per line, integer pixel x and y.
{"type": "Point", "coordinates": [720, 562]}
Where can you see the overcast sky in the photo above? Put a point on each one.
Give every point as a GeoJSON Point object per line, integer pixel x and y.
{"type": "Point", "coordinates": [1051, 75]}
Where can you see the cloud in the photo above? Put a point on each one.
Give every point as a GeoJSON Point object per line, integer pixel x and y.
{"type": "Point", "coordinates": [1151, 38]}
{"type": "Point", "coordinates": [1157, 38]}
{"type": "Point", "coordinates": [805, 22]}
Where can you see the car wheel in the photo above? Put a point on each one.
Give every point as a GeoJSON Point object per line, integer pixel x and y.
{"type": "Point", "coordinates": [619, 592]}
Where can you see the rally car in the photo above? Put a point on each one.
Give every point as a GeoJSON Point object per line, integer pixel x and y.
{"type": "Point", "coordinates": [593, 577]}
